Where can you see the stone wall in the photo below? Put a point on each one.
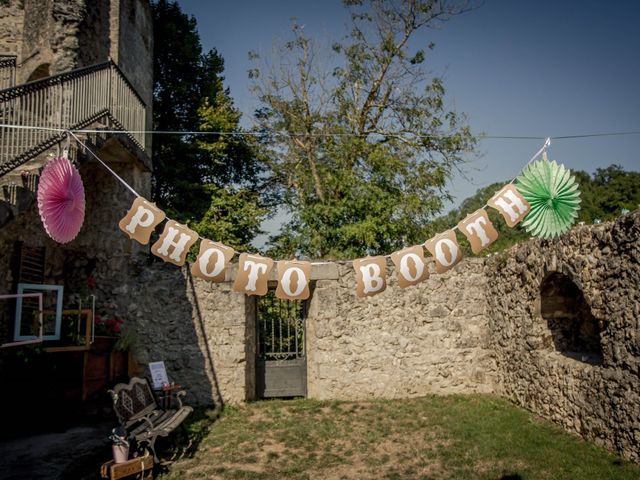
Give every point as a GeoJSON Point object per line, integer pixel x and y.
{"type": "Point", "coordinates": [598, 398]}
{"type": "Point", "coordinates": [132, 48]}
{"type": "Point", "coordinates": [430, 338]}
{"type": "Point", "coordinates": [80, 33]}
{"type": "Point", "coordinates": [132, 44]}
{"type": "Point", "coordinates": [98, 248]}
{"type": "Point", "coordinates": [402, 343]}
{"type": "Point", "coordinates": [203, 332]}
{"type": "Point", "coordinates": [11, 20]}
{"type": "Point", "coordinates": [60, 35]}
{"type": "Point", "coordinates": [94, 33]}
{"type": "Point", "coordinates": [51, 37]}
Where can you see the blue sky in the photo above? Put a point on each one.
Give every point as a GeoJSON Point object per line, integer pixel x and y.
{"type": "Point", "coordinates": [515, 67]}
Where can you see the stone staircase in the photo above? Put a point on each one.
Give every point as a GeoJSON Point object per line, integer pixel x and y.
{"type": "Point", "coordinates": [98, 97]}
{"type": "Point", "coordinates": [7, 71]}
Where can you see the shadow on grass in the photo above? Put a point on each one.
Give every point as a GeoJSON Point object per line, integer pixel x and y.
{"type": "Point", "coordinates": [511, 476]}
{"type": "Point", "coordinates": [185, 441]}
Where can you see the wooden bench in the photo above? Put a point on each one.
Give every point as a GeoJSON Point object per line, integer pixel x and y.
{"type": "Point", "coordinates": [140, 415]}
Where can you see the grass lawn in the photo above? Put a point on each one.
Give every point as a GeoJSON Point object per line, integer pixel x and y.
{"type": "Point", "coordinates": [457, 437]}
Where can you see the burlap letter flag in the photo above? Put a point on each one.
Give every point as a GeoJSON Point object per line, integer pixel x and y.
{"type": "Point", "coordinates": [253, 274]}
{"type": "Point", "coordinates": [510, 204]}
{"type": "Point", "coordinates": [293, 280]}
{"type": "Point", "coordinates": [213, 261]}
{"type": "Point", "coordinates": [411, 268]}
{"type": "Point", "coordinates": [479, 230]}
{"type": "Point", "coordinates": [370, 276]}
{"type": "Point", "coordinates": [445, 249]}
{"type": "Point", "coordinates": [174, 243]}
{"type": "Point", "coordinates": [140, 220]}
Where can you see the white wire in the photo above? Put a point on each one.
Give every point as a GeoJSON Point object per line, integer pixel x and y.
{"type": "Point", "coordinates": [131, 189]}
{"type": "Point", "coordinates": [289, 134]}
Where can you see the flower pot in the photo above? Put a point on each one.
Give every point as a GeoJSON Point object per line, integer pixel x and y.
{"type": "Point", "coordinates": [102, 344]}
{"type": "Point", "coordinates": [120, 453]}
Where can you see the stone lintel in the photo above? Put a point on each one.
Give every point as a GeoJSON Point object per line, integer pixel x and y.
{"type": "Point", "coordinates": [319, 271]}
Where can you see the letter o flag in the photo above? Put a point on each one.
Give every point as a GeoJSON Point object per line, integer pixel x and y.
{"type": "Point", "coordinates": [293, 280]}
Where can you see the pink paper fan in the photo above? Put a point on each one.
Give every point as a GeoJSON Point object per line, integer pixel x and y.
{"type": "Point", "coordinates": [61, 200]}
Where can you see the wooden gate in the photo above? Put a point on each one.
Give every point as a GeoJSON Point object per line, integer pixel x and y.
{"type": "Point", "coordinates": [281, 359]}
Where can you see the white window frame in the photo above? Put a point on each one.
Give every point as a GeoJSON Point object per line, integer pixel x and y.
{"type": "Point", "coordinates": [31, 339]}
{"type": "Point", "coordinates": [21, 292]}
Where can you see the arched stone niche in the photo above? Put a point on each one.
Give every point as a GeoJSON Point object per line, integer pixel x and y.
{"type": "Point", "coordinates": [42, 71]}
{"type": "Point", "coordinates": [575, 332]}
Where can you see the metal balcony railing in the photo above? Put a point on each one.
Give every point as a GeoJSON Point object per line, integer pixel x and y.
{"type": "Point", "coordinates": [7, 71]}
{"type": "Point", "coordinates": [70, 101]}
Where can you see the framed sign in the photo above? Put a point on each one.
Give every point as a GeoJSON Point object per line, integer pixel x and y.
{"type": "Point", "coordinates": [25, 310]}
{"type": "Point", "coordinates": [158, 374]}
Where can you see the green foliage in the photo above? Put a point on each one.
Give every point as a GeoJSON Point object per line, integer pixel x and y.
{"type": "Point", "coordinates": [506, 236]}
{"type": "Point", "coordinates": [232, 216]}
{"type": "Point", "coordinates": [603, 195]}
{"type": "Point", "coordinates": [366, 144]}
{"type": "Point", "coordinates": [27, 354]}
{"type": "Point", "coordinates": [208, 182]}
{"type": "Point", "coordinates": [280, 332]}
{"type": "Point", "coordinates": [607, 192]}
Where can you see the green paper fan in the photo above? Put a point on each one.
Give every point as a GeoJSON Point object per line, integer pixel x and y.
{"type": "Point", "coordinates": [554, 197]}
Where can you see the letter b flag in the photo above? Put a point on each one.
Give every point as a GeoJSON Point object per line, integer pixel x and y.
{"type": "Point", "coordinates": [370, 276]}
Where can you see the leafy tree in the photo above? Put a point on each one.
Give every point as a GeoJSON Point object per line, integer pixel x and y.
{"type": "Point", "coordinates": [506, 236]}
{"type": "Point", "coordinates": [364, 142]}
{"type": "Point", "coordinates": [209, 182]}
{"type": "Point", "coordinates": [609, 191]}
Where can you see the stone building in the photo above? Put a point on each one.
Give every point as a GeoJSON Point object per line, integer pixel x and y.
{"type": "Point", "coordinates": [69, 64]}
{"type": "Point", "coordinates": [552, 325]}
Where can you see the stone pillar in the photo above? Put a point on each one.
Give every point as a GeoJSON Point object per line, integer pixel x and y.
{"type": "Point", "coordinates": [204, 332]}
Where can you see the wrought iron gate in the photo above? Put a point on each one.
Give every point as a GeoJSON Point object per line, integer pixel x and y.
{"type": "Point", "coordinates": [281, 360]}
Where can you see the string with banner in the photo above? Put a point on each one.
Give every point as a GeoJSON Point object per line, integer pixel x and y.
{"type": "Point", "coordinates": [545, 197]}
{"type": "Point", "coordinates": [411, 267]}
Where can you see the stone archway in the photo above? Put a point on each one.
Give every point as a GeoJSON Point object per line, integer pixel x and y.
{"type": "Point", "coordinates": [574, 330]}
{"type": "Point", "coordinates": [42, 71]}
